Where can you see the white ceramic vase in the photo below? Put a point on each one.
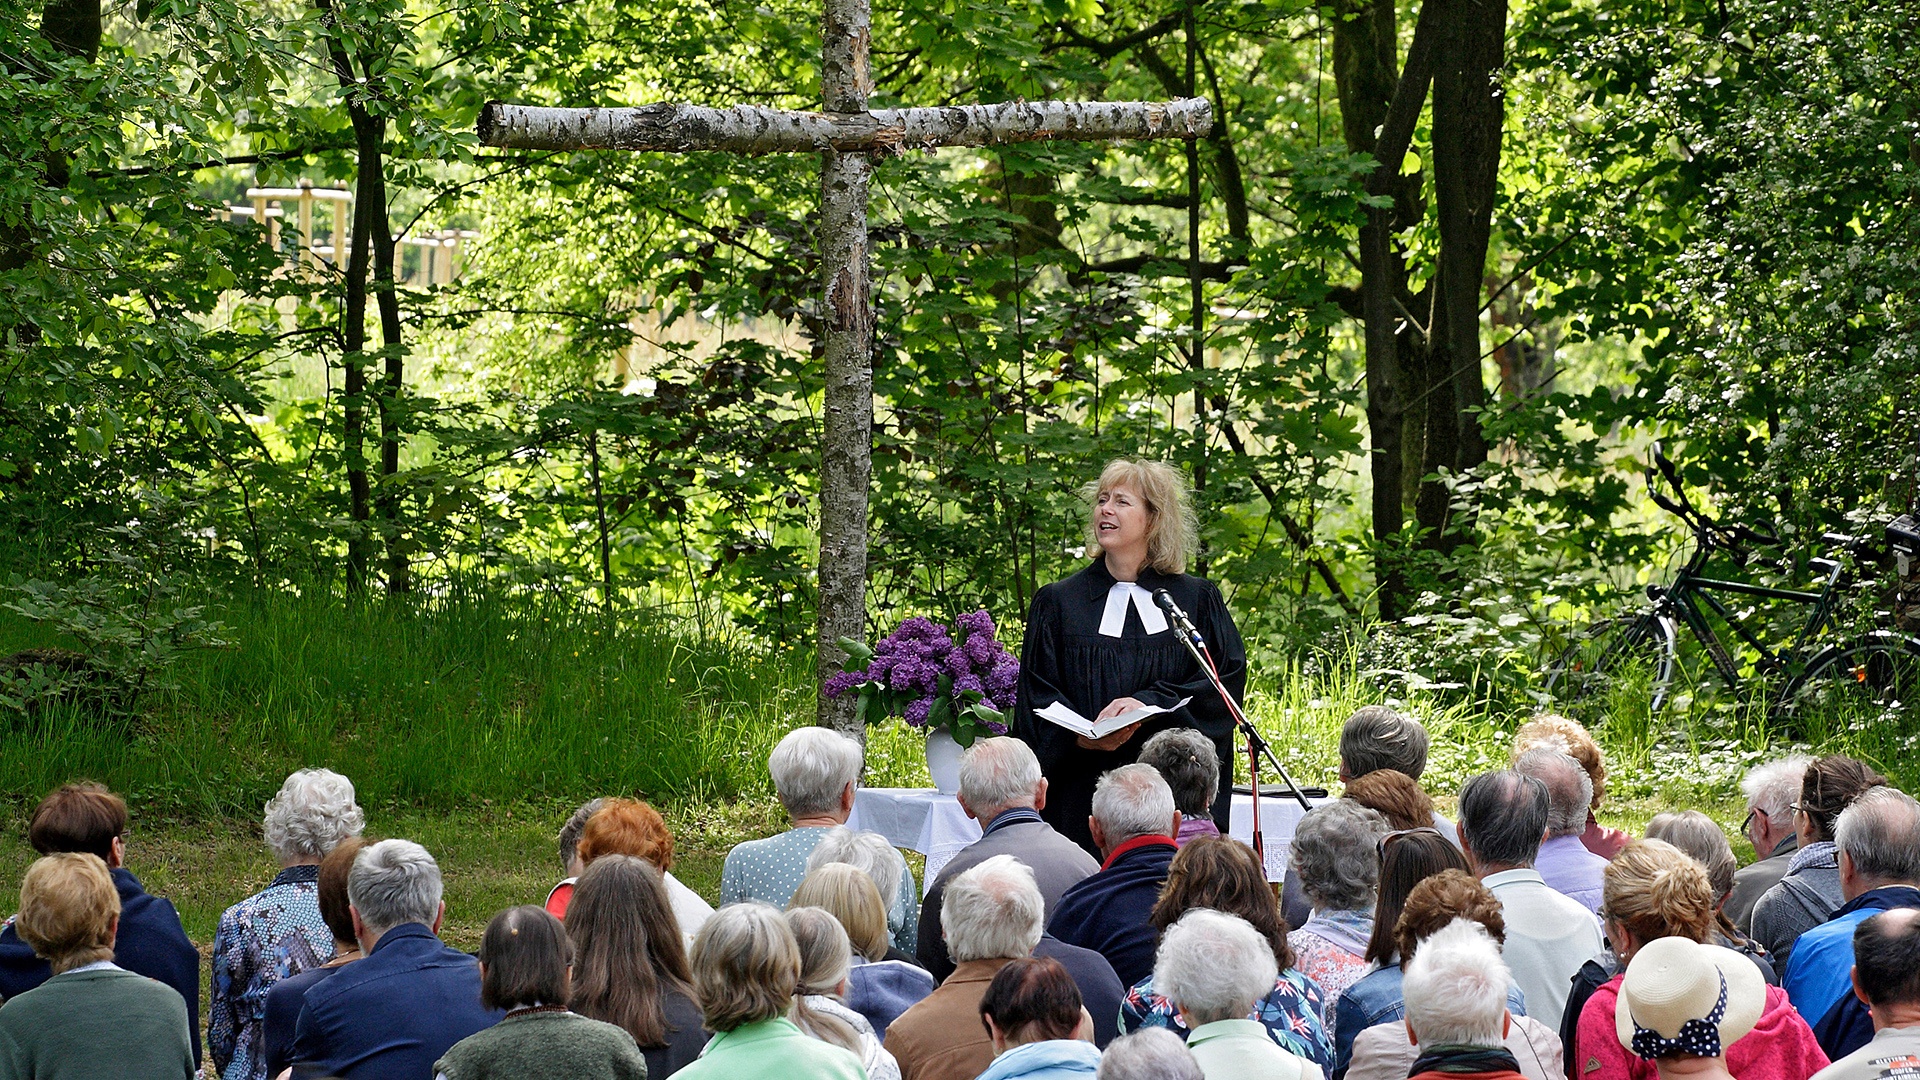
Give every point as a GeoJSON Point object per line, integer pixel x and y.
{"type": "Point", "coordinates": [943, 760]}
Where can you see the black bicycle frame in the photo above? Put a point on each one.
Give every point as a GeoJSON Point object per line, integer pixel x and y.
{"type": "Point", "coordinates": [1679, 598]}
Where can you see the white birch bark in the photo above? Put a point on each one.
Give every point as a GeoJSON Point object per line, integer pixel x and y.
{"type": "Point", "coordinates": [846, 309]}
{"type": "Point", "coordinates": [750, 129]}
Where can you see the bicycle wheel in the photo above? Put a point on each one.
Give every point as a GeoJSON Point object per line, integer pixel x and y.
{"type": "Point", "coordinates": [1871, 675]}
{"type": "Point", "coordinates": [1615, 656]}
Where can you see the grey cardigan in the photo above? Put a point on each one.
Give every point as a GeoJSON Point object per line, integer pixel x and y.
{"type": "Point", "coordinates": [1807, 896]}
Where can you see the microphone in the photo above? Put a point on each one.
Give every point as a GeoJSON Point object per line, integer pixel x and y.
{"type": "Point", "coordinates": [1168, 604]}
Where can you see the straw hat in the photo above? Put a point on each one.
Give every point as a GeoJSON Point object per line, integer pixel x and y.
{"type": "Point", "coordinates": [1682, 997]}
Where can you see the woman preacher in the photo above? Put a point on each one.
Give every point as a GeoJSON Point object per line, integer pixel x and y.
{"type": "Point", "coordinates": [1097, 642]}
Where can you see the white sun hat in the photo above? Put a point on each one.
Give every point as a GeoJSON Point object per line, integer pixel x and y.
{"type": "Point", "coordinates": [1682, 997]}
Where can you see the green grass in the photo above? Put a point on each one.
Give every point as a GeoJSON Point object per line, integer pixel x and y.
{"type": "Point", "coordinates": [436, 704]}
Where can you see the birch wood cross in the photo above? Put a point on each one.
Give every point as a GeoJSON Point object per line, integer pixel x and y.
{"type": "Point", "coordinates": [846, 136]}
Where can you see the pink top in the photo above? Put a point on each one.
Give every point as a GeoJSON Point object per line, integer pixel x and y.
{"type": "Point", "coordinates": [1780, 1046]}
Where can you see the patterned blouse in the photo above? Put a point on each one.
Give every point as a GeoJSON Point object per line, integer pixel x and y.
{"type": "Point", "coordinates": [770, 870]}
{"type": "Point", "coordinates": [1292, 1014]}
{"type": "Point", "coordinates": [261, 940]}
{"type": "Point", "coordinates": [1328, 956]}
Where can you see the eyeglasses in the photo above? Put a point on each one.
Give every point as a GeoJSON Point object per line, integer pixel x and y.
{"type": "Point", "coordinates": [1387, 841]}
{"type": "Point", "coordinates": [1746, 823]}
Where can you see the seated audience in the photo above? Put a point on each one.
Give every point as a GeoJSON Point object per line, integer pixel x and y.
{"type": "Point", "coordinates": [1886, 976]}
{"type": "Point", "coordinates": [991, 916]}
{"type": "Point", "coordinates": [1878, 838]}
{"type": "Point", "coordinates": [1133, 824]}
{"type": "Point", "coordinates": [1457, 1017]}
{"type": "Point", "coordinates": [1001, 787]}
{"type": "Point", "coordinates": [1149, 1054]}
{"type": "Point", "coordinates": [1188, 762]}
{"type": "Point", "coordinates": [1563, 862]}
{"type": "Point", "coordinates": [1808, 893]}
{"type": "Point", "coordinates": [879, 988]}
{"type": "Point", "coordinates": [1384, 1051]}
{"type": "Point", "coordinates": [89, 1017]}
{"type": "Point", "coordinates": [393, 1014]}
{"type": "Point", "coordinates": [1214, 968]}
{"type": "Point", "coordinates": [746, 967]}
{"type": "Point", "coordinates": [815, 772]}
{"type": "Point", "coordinates": [1100, 989]}
{"type": "Point", "coordinates": [1503, 816]}
{"type": "Point", "coordinates": [1223, 874]}
{"type": "Point", "coordinates": [1376, 737]}
{"type": "Point", "coordinates": [569, 839]}
{"type": "Point", "coordinates": [629, 966]}
{"type": "Point", "coordinates": [1655, 892]}
{"type": "Point", "coordinates": [1699, 838]}
{"type": "Point", "coordinates": [626, 827]}
{"type": "Point", "coordinates": [277, 932]}
{"type": "Point", "coordinates": [1685, 1005]}
{"type": "Point", "coordinates": [871, 853]}
{"type": "Point", "coordinates": [820, 1008]}
{"type": "Point", "coordinates": [1407, 858]}
{"type": "Point", "coordinates": [289, 995]}
{"type": "Point", "coordinates": [1334, 848]}
{"type": "Point", "coordinates": [1033, 1014]}
{"type": "Point", "coordinates": [524, 959]}
{"type": "Point", "coordinates": [86, 817]}
{"type": "Point", "coordinates": [1570, 738]}
{"type": "Point", "coordinates": [1770, 791]}
{"type": "Point", "coordinates": [1395, 796]}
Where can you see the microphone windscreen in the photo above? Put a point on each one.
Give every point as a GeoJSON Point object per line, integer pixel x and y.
{"type": "Point", "coordinates": [1165, 599]}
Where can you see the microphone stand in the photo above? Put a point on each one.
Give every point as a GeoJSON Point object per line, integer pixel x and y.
{"type": "Point", "coordinates": [1256, 743]}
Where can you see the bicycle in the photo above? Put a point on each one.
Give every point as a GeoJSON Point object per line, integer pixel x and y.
{"type": "Point", "coordinates": [1879, 669]}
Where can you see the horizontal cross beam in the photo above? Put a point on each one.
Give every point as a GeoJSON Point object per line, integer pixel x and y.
{"type": "Point", "coordinates": [749, 129]}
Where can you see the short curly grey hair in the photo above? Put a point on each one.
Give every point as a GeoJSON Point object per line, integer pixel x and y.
{"type": "Point", "coordinates": [1334, 850]}
{"type": "Point", "coordinates": [313, 811]}
{"type": "Point", "coordinates": [1213, 965]}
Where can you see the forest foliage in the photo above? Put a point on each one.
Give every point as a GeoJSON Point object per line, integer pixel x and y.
{"type": "Point", "coordinates": [1704, 228]}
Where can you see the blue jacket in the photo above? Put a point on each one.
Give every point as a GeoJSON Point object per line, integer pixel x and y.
{"type": "Point", "coordinates": [1378, 999]}
{"type": "Point", "coordinates": [1100, 989]}
{"type": "Point", "coordinates": [1054, 1059]}
{"type": "Point", "coordinates": [284, 1003]}
{"type": "Point", "coordinates": [151, 942]}
{"type": "Point", "coordinates": [1109, 911]}
{"type": "Point", "coordinates": [883, 989]}
{"type": "Point", "coordinates": [1819, 973]}
{"type": "Point", "coordinates": [393, 1014]}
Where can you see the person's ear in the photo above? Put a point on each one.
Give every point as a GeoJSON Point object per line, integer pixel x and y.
{"type": "Point", "coordinates": [1411, 1041]}
{"type": "Point", "coordinates": [113, 932]}
{"type": "Point", "coordinates": [846, 796]}
{"type": "Point", "coordinates": [118, 850]}
{"type": "Point", "coordinates": [1099, 834]}
{"type": "Point", "coordinates": [1040, 794]}
{"type": "Point", "coordinates": [1853, 976]}
{"type": "Point", "coordinates": [439, 916]}
{"type": "Point", "coordinates": [1175, 831]}
{"type": "Point", "coordinates": [1506, 1023]}
{"type": "Point", "coordinates": [360, 934]}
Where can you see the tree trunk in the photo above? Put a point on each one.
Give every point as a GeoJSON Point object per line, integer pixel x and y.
{"type": "Point", "coordinates": [846, 450]}
{"type": "Point", "coordinates": [1468, 109]}
{"type": "Point", "coordinates": [367, 201]}
{"type": "Point", "coordinates": [73, 27]}
{"type": "Point", "coordinates": [391, 390]}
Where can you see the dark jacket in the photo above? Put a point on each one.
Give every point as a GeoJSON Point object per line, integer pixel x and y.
{"type": "Point", "coordinates": [1751, 882]}
{"type": "Point", "coordinates": [1057, 862]}
{"type": "Point", "coordinates": [151, 942]}
{"type": "Point", "coordinates": [284, 1002]}
{"type": "Point", "coordinates": [392, 1015]}
{"type": "Point", "coordinates": [1109, 911]}
{"type": "Point", "coordinates": [1100, 989]}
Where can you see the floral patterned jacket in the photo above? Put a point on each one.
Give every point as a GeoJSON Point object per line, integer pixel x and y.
{"type": "Point", "coordinates": [1292, 1014]}
{"type": "Point", "coordinates": [267, 937]}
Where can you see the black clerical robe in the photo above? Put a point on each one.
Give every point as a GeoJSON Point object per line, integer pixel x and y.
{"type": "Point", "coordinates": [1066, 658]}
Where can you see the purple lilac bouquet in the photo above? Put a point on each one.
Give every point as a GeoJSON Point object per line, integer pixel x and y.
{"type": "Point", "coordinates": [960, 678]}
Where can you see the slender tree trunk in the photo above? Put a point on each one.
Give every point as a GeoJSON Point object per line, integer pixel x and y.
{"type": "Point", "coordinates": [1468, 110]}
{"type": "Point", "coordinates": [846, 451]}
{"type": "Point", "coordinates": [366, 203]}
{"type": "Point", "coordinates": [600, 519]}
{"type": "Point", "coordinates": [390, 393]}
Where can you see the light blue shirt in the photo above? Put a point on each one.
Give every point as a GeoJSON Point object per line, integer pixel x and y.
{"type": "Point", "coordinates": [771, 870]}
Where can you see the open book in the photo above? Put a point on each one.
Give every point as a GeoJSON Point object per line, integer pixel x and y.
{"type": "Point", "coordinates": [1061, 713]}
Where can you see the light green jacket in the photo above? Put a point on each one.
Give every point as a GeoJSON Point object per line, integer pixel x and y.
{"type": "Point", "coordinates": [1242, 1050]}
{"type": "Point", "coordinates": [772, 1048]}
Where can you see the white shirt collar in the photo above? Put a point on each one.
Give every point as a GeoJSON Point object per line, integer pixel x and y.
{"type": "Point", "coordinates": [1114, 619]}
{"type": "Point", "coordinates": [97, 965]}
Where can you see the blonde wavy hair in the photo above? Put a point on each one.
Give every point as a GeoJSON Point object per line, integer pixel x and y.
{"type": "Point", "coordinates": [1656, 890]}
{"type": "Point", "coordinates": [1172, 531]}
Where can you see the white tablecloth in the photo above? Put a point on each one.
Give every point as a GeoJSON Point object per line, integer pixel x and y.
{"type": "Point", "coordinates": [923, 820]}
{"type": "Point", "coordinates": [919, 819]}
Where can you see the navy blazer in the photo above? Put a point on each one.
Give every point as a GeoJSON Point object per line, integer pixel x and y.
{"type": "Point", "coordinates": [393, 1014]}
{"type": "Point", "coordinates": [151, 942]}
{"type": "Point", "coordinates": [1109, 911]}
{"type": "Point", "coordinates": [1100, 989]}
